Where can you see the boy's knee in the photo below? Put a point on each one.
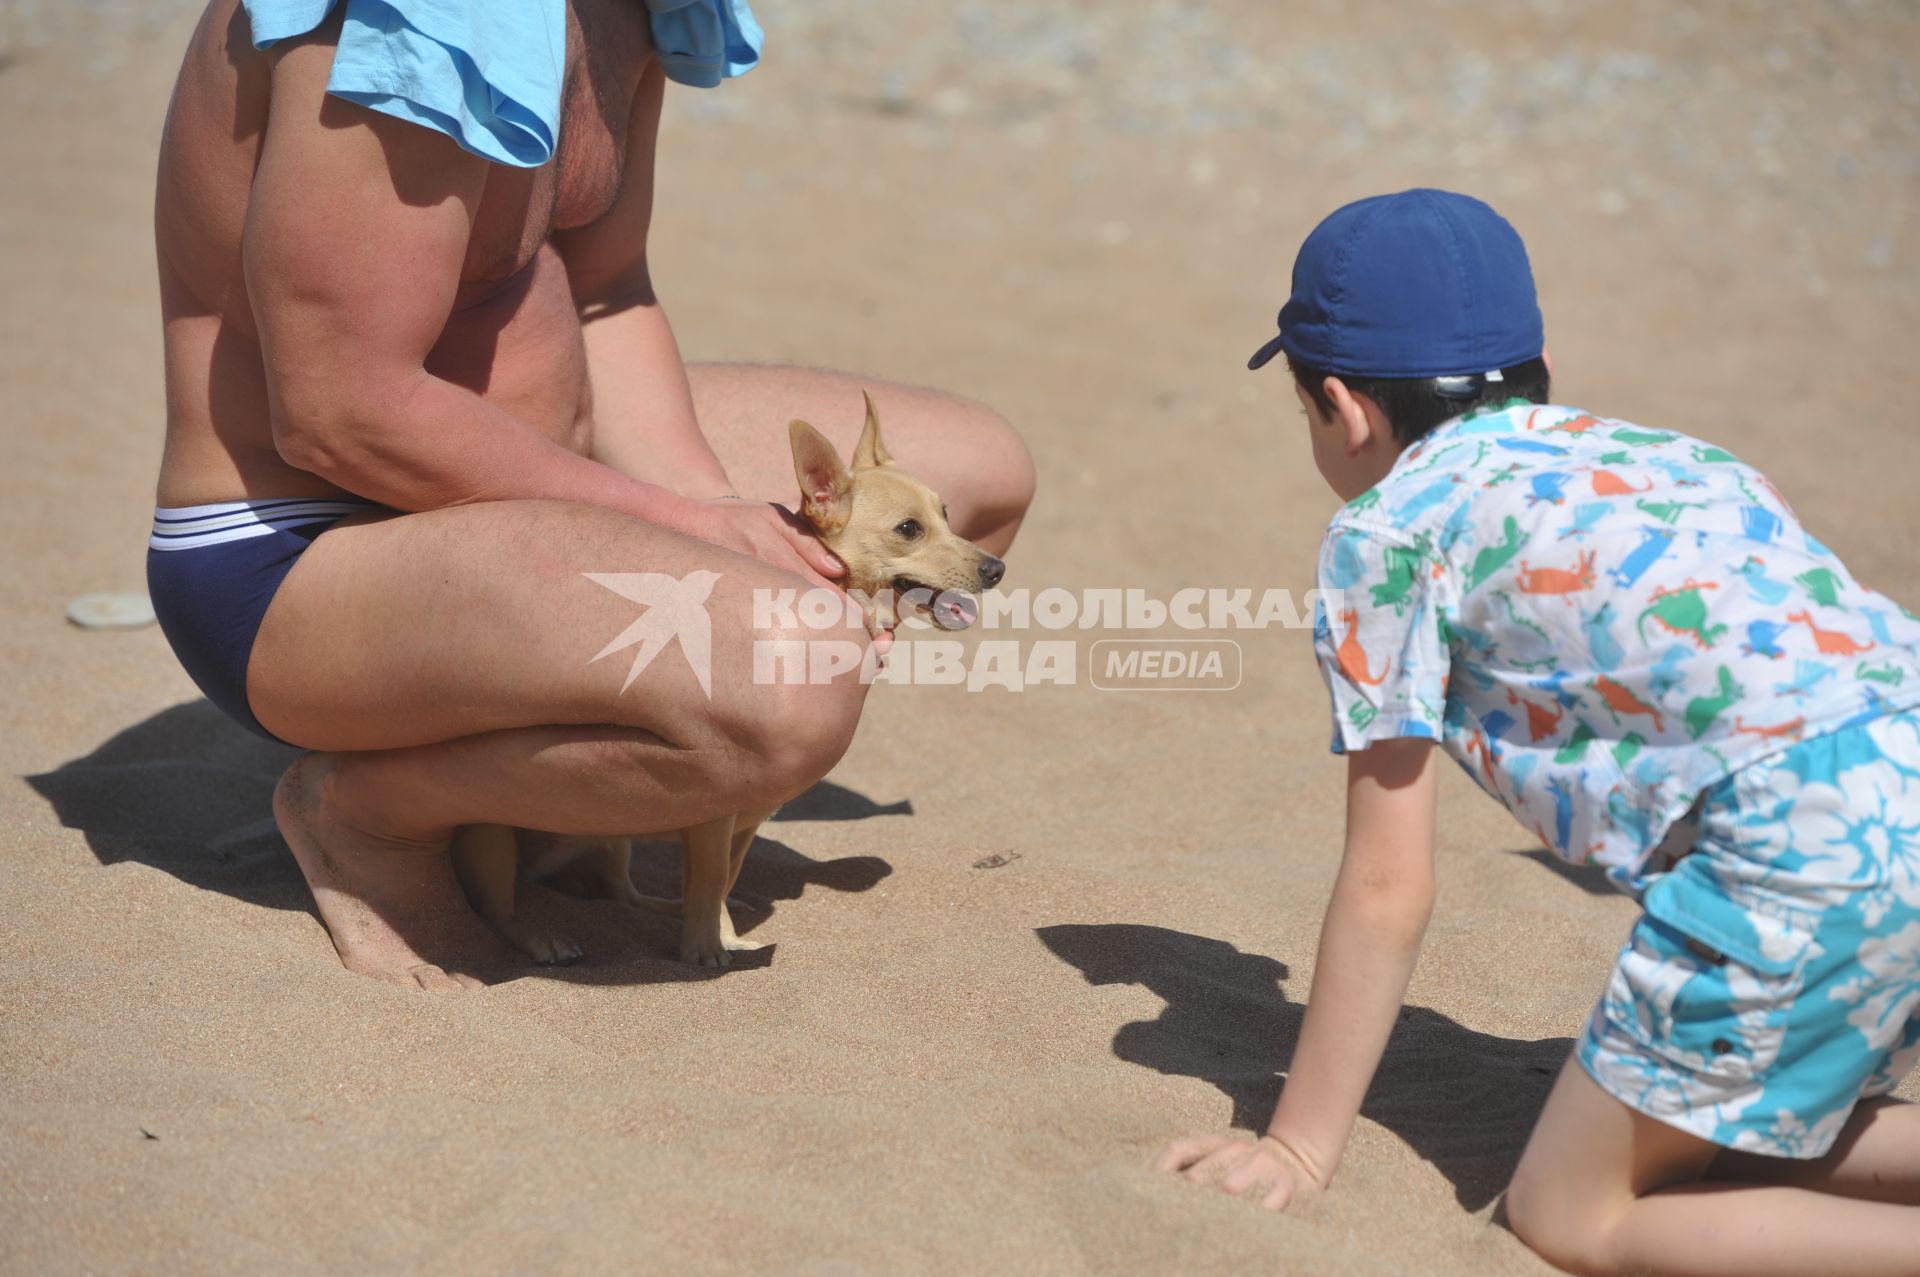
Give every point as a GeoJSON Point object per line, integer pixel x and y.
{"type": "Point", "coordinates": [1556, 1228]}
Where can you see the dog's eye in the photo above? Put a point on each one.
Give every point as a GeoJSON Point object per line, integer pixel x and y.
{"type": "Point", "coordinates": [910, 529]}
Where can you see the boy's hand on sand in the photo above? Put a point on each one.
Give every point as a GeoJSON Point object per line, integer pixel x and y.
{"type": "Point", "coordinates": [1264, 1170]}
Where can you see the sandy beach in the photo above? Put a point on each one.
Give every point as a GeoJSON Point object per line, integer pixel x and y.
{"type": "Point", "coordinates": [999, 984]}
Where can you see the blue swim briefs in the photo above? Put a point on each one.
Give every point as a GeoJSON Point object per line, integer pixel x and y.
{"type": "Point", "coordinates": [213, 569]}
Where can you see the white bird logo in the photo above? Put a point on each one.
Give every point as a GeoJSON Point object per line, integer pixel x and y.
{"type": "Point", "coordinates": [676, 608]}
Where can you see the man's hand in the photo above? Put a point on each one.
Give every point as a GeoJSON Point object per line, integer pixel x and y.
{"type": "Point", "coordinates": [764, 531]}
{"type": "Point", "coordinates": [1265, 1170]}
{"type": "Point", "coordinates": [776, 535]}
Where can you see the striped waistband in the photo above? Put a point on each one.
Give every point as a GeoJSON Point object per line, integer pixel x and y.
{"type": "Point", "coordinates": [190, 527]}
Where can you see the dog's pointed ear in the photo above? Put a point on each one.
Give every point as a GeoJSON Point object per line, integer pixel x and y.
{"type": "Point", "coordinates": [826, 489]}
{"type": "Point", "coordinates": [870, 451]}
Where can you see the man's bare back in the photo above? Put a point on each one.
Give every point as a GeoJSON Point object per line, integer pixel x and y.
{"type": "Point", "coordinates": [513, 334]}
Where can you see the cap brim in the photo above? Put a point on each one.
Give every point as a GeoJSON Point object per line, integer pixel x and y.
{"type": "Point", "coordinates": [1265, 353]}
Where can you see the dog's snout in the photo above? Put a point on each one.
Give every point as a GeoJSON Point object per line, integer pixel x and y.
{"type": "Point", "coordinates": [991, 571]}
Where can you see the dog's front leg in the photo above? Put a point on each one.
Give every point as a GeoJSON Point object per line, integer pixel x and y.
{"type": "Point", "coordinates": [706, 860]}
{"type": "Point", "coordinates": [745, 826]}
{"type": "Point", "coordinates": [486, 858]}
{"type": "Point", "coordinates": [613, 865]}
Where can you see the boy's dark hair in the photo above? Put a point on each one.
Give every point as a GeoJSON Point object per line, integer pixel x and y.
{"type": "Point", "coordinates": [1415, 405]}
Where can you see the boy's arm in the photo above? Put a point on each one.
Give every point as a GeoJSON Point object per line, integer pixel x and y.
{"type": "Point", "coordinates": [1368, 944]}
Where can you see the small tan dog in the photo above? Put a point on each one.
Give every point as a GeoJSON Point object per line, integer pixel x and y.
{"type": "Point", "coordinates": [902, 559]}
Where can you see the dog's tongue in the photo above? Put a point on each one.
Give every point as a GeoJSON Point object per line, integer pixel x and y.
{"type": "Point", "coordinates": [956, 610]}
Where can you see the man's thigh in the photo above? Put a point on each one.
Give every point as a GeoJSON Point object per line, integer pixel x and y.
{"type": "Point", "coordinates": [418, 628]}
{"type": "Point", "coordinates": [963, 450]}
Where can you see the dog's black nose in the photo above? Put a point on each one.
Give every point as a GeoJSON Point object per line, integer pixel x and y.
{"type": "Point", "coordinates": [991, 571]}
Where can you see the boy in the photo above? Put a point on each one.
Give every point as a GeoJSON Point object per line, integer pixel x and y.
{"type": "Point", "coordinates": [1625, 636]}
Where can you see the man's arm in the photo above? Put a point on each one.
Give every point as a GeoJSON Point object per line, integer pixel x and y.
{"type": "Point", "coordinates": [355, 236]}
{"type": "Point", "coordinates": [643, 418]}
{"type": "Point", "coordinates": [1368, 944]}
{"type": "Point", "coordinates": [356, 231]}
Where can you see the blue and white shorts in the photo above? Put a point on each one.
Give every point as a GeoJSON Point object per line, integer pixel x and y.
{"type": "Point", "coordinates": [1775, 979]}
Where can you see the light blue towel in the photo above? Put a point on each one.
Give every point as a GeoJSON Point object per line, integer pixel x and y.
{"type": "Point", "coordinates": [702, 42]}
{"type": "Point", "coordinates": [487, 73]}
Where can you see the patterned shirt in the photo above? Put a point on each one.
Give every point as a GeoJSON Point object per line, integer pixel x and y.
{"type": "Point", "coordinates": [1597, 621]}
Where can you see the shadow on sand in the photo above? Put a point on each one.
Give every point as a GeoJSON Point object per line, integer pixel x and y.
{"type": "Point", "coordinates": [1589, 878]}
{"type": "Point", "coordinates": [1463, 1100]}
{"type": "Point", "coordinates": [190, 794]}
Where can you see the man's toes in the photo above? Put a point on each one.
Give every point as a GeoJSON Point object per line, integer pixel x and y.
{"type": "Point", "coordinates": [744, 946]}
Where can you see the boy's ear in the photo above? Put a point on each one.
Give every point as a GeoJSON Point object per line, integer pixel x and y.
{"type": "Point", "coordinates": [870, 451]}
{"type": "Point", "coordinates": [1358, 417]}
{"type": "Point", "coordinates": [826, 489]}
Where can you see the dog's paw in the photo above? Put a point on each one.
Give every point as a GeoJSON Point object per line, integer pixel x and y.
{"type": "Point", "coordinates": [549, 948]}
{"type": "Point", "coordinates": [705, 952]}
{"type": "Point", "coordinates": [731, 938]}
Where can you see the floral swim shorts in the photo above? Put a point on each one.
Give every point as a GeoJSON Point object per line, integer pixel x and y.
{"type": "Point", "coordinates": [1774, 981]}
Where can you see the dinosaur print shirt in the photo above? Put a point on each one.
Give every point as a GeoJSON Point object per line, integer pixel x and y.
{"type": "Point", "coordinates": [1597, 621]}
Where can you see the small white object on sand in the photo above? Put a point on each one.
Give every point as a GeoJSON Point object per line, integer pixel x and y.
{"type": "Point", "coordinates": [111, 611]}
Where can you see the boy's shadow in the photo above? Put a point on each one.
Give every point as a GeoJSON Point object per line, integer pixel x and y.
{"type": "Point", "coordinates": [1464, 1100]}
{"type": "Point", "coordinates": [190, 794]}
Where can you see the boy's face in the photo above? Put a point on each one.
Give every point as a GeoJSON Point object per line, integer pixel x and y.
{"type": "Point", "coordinates": [1353, 448]}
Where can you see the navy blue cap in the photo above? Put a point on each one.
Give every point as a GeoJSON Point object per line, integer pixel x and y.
{"type": "Point", "coordinates": [1420, 284]}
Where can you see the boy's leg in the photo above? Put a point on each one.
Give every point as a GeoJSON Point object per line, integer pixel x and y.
{"type": "Point", "coordinates": [1877, 1157]}
{"type": "Point", "coordinates": [1604, 1189]}
{"type": "Point", "coordinates": [1802, 874]}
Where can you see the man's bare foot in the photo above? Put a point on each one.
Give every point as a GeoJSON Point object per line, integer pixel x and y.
{"type": "Point", "coordinates": [394, 909]}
